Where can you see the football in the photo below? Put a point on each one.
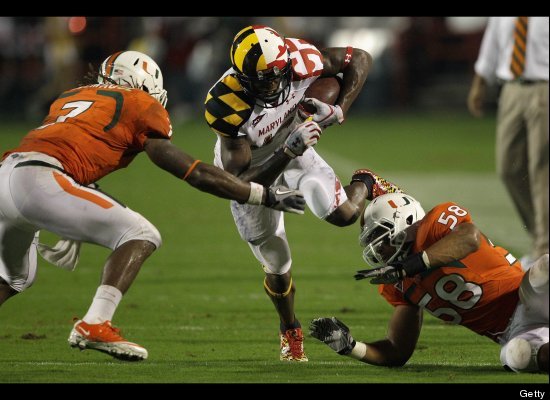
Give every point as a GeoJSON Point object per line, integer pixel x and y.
{"type": "Point", "coordinates": [325, 89]}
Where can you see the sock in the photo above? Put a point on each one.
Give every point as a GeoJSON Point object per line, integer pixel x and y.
{"type": "Point", "coordinates": [294, 325]}
{"type": "Point", "coordinates": [104, 305]}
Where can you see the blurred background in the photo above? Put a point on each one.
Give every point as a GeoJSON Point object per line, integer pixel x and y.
{"type": "Point", "coordinates": [421, 63]}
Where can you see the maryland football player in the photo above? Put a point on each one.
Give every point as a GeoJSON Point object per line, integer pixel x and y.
{"type": "Point", "coordinates": [254, 108]}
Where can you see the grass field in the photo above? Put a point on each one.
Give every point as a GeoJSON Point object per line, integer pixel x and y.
{"type": "Point", "coordinates": [198, 303]}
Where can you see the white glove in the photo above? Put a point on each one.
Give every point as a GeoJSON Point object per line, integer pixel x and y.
{"type": "Point", "coordinates": [284, 199]}
{"type": "Point", "coordinates": [325, 114]}
{"type": "Point", "coordinates": [303, 136]}
{"type": "Point", "coordinates": [64, 254]}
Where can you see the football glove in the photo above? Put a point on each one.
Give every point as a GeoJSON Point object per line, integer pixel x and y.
{"type": "Point", "coordinates": [284, 199]}
{"type": "Point", "coordinates": [395, 272]}
{"type": "Point", "coordinates": [377, 186]}
{"type": "Point", "coordinates": [303, 136]}
{"type": "Point", "coordinates": [333, 333]}
{"type": "Point", "coordinates": [325, 114]}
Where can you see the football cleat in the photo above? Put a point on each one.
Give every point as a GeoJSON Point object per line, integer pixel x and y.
{"type": "Point", "coordinates": [105, 338]}
{"type": "Point", "coordinates": [377, 186]}
{"type": "Point", "coordinates": [292, 345]}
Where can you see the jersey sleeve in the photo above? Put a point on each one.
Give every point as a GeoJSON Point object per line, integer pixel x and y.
{"type": "Point", "coordinates": [307, 60]}
{"type": "Point", "coordinates": [392, 295]}
{"type": "Point", "coordinates": [439, 222]}
{"type": "Point", "coordinates": [227, 106]}
{"type": "Point", "coordinates": [153, 118]}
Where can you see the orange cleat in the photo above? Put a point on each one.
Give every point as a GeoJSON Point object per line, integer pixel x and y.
{"type": "Point", "coordinates": [105, 338]}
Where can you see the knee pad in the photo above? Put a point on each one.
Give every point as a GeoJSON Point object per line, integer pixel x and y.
{"type": "Point", "coordinates": [142, 230]}
{"type": "Point", "coordinates": [273, 253]}
{"type": "Point", "coordinates": [321, 193]}
{"type": "Point", "coordinates": [519, 355]}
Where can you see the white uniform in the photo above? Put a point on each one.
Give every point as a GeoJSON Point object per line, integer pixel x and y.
{"type": "Point", "coordinates": [34, 197]}
{"type": "Point", "coordinates": [230, 112]}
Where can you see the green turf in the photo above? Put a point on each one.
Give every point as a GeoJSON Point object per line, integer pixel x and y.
{"type": "Point", "coordinates": [198, 303]}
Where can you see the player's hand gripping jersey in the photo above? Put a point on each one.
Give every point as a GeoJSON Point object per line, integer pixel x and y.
{"type": "Point", "coordinates": [233, 113]}
{"type": "Point", "coordinates": [96, 129]}
{"type": "Point", "coordinates": [479, 292]}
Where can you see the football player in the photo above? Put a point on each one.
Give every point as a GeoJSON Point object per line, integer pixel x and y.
{"type": "Point", "coordinates": [47, 183]}
{"type": "Point", "coordinates": [253, 109]}
{"type": "Point", "coordinates": [442, 263]}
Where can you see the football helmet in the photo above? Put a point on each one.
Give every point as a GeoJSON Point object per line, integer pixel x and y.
{"type": "Point", "coordinates": [262, 65]}
{"type": "Point", "coordinates": [136, 70]}
{"type": "Point", "coordinates": [384, 223]}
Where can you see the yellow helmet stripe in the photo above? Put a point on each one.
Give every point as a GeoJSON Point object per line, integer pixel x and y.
{"type": "Point", "coordinates": [242, 50]}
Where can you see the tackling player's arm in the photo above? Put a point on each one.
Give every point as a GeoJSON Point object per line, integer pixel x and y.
{"type": "Point", "coordinates": [354, 72]}
{"type": "Point", "coordinates": [398, 346]}
{"type": "Point", "coordinates": [393, 351]}
{"type": "Point", "coordinates": [200, 175]}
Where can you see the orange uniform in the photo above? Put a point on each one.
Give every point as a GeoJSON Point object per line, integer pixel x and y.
{"type": "Point", "coordinates": [96, 129]}
{"type": "Point", "coordinates": [479, 292]}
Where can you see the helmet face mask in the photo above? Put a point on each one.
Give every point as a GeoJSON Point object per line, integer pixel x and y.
{"type": "Point", "coordinates": [262, 65]}
{"type": "Point", "coordinates": [384, 232]}
{"type": "Point", "coordinates": [135, 70]}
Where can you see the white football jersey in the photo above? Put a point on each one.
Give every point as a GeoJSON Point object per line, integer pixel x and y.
{"type": "Point", "coordinates": [232, 112]}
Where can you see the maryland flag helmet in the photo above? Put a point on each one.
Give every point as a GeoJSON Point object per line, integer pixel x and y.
{"type": "Point", "coordinates": [262, 65]}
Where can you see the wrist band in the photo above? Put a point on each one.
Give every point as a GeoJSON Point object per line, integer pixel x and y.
{"type": "Point", "coordinates": [426, 259]}
{"type": "Point", "coordinates": [256, 194]}
{"type": "Point", "coordinates": [359, 351]}
{"type": "Point", "coordinates": [191, 168]}
{"type": "Point", "coordinates": [347, 57]}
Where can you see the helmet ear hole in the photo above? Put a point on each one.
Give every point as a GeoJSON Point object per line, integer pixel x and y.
{"type": "Point", "coordinates": [410, 219]}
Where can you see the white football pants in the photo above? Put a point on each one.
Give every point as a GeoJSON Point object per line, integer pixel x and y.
{"type": "Point", "coordinates": [36, 194]}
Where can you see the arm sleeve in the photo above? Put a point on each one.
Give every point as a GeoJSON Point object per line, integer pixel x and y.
{"type": "Point", "coordinates": [486, 64]}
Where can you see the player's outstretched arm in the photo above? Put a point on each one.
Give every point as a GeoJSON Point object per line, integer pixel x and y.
{"type": "Point", "coordinates": [218, 182]}
{"type": "Point", "coordinates": [393, 351]}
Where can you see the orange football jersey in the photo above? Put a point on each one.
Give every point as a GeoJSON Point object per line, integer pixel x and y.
{"type": "Point", "coordinates": [479, 292]}
{"type": "Point", "coordinates": [96, 129]}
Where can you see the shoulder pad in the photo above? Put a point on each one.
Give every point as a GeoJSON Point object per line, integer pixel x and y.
{"type": "Point", "coordinates": [227, 106]}
{"type": "Point", "coordinates": [307, 60]}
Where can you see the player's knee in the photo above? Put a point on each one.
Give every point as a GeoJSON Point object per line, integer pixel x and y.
{"type": "Point", "coordinates": [519, 356]}
{"type": "Point", "coordinates": [273, 253]}
{"type": "Point", "coordinates": [143, 230]}
{"type": "Point", "coordinates": [320, 197]}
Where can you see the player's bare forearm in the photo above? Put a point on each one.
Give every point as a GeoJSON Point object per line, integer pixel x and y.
{"type": "Point", "coordinates": [462, 241]}
{"type": "Point", "coordinates": [236, 156]}
{"type": "Point", "coordinates": [403, 332]}
{"type": "Point", "coordinates": [267, 172]}
{"type": "Point", "coordinates": [354, 74]}
{"type": "Point", "coordinates": [202, 176]}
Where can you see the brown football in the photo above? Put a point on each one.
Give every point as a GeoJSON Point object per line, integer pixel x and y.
{"type": "Point", "coordinates": [324, 89]}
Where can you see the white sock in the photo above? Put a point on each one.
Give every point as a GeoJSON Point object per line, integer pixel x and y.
{"type": "Point", "coordinates": [104, 305]}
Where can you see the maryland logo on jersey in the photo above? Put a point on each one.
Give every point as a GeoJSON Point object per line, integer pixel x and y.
{"type": "Point", "coordinates": [228, 107]}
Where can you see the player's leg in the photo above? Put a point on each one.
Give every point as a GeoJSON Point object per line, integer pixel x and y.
{"type": "Point", "coordinates": [263, 229]}
{"type": "Point", "coordinates": [17, 241]}
{"type": "Point", "coordinates": [527, 350]}
{"type": "Point", "coordinates": [511, 151]}
{"type": "Point", "coordinates": [537, 148]}
{"type": "Point", "coordinates": [51, 200]}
